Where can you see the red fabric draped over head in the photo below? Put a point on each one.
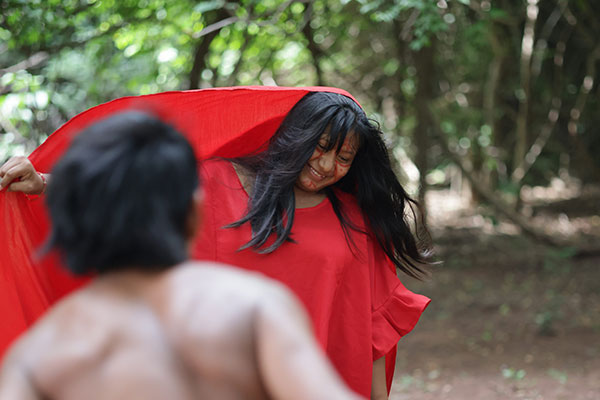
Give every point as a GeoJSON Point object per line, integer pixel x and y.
{"type": "Point", "coordinates": [225, 122]}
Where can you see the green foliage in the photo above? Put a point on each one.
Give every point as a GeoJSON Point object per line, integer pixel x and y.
{"type": "Point", "coordinates": [79, 53]}
{"type": "Point", "coordinates": [560, 376]}
{"type": "Point", "coordinates": [558, 260]}
{"type": "Point", "coordinates": [513, 374]}
{"type": "Point", "coordinates": [427, 17]}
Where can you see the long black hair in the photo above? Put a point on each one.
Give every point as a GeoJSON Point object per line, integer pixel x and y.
{"type": "Point", "coordinates": [121, 195]}
{"type": "Point", "coordinates": [382, 199]}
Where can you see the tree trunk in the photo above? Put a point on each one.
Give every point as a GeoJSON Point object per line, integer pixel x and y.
{"type": "Point", "coordinates": [490, 97]}
{"type": "Point", "coordinates": [587, 165]}
{"type": "Point", "coordinates": [201, 48]}
{"type": "Point", "coordinates": [521, 140]}
{"type": "Point", "coordinates": [426, 76]}
{"type": "Point", "coordinates": [313, 47]}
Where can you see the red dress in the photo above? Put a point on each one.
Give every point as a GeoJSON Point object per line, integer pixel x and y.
{"type": "Point", "coordinates": [225, 122]}
{"type": "Point", "coordinates": [358, 307]}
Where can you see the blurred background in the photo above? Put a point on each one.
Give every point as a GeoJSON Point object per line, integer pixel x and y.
{"type": "Point", "coordinates": [491, 109]}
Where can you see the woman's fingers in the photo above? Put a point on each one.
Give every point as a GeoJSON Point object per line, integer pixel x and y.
{"type": "Point", "coordinates": [11, 163]}
{"type": "Point", "coordinates": [20, 168]}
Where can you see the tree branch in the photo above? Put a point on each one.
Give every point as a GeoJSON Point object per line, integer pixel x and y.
{"type": "Point", "coordinates": [33, 61]}
{"type": "Point", "coordinates": [497, 204]}
{"type": "Point", "coordinates": [542, 43]}
{"type": "Point", "coordinates": [202, 47]}
{"type": "Point", "coordinates": [553, 115]}
{"type": "Point", "coordinates": [313, 47]}
{"type": "Point", "coordinates": [215, 27]}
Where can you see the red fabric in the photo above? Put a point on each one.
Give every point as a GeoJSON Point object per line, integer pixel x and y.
{"type": "Point", "coordinates": [358, 306]}
{"type": "Point", "coordinates": [225, 122]}
{"type": "Point", "coordinates": [218, 122]}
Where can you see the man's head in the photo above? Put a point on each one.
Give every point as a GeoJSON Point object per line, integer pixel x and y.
{"type": "Point", "coordinates": [123, 196]}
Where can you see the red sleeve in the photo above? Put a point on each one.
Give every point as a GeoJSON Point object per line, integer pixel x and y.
{"type": "Point", "coordinates": [395, 309]}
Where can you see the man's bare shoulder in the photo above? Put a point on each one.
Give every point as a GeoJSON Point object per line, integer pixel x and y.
{"type": "Point", "coordinates": [222, 295]}
{"type": "Point", "coordinates": [68, 336]}
{"type": "Point", "coordinates": [210, 312]}
{"type": "Point", "coordinates": [216, 280]}
{"type": "Point", "coordinates": [70, 315]}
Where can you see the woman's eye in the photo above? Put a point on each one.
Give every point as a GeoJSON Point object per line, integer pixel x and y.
{"type": "Point", "coordinates": [344, 159]}
{"type": "Point", "coordinates": [321, 147]}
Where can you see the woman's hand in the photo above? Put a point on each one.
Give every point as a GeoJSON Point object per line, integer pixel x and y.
{"type": "Point", "coordinates": [29, 180]}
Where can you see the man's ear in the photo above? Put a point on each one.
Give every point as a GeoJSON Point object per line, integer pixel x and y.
{"type": "Point", "coordinates": [195, 214]}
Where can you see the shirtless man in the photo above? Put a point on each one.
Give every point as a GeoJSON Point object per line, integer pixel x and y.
{"type": "Point", "coordinates": [124, 204]}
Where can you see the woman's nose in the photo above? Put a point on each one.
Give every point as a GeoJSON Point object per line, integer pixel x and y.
{"type": "Point", "coordinates": [327, 161]}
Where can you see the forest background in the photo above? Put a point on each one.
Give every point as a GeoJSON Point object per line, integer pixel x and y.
{"type": "Point", "coordinates": [491, 109]}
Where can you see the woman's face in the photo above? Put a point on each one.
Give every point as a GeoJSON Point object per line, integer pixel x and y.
{"type": "Point", "coordinates": [324, 168]}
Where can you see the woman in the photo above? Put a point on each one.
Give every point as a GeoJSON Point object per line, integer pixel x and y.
{"type": "Point", "coordinates": [321, 210]}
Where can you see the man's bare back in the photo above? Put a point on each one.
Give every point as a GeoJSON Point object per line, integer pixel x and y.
{"type": "Point", "coordinates": [198, 330]}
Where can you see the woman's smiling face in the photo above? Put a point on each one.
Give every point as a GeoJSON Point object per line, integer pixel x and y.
{"type": "Point", "coordinates": [324, 168]}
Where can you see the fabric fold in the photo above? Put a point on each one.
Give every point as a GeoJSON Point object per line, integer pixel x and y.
{"type": "Point", "coordinates": [396, 318]}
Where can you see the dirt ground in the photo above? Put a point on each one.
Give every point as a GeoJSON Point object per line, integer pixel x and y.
{"type": "Point", "coordinates": [509, 318]}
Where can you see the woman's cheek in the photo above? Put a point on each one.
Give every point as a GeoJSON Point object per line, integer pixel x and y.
{"type": "Point", "coordinates": [340, 170]}
{"type": "Point", "coordinates": [307, 182]}
{"type": "Point", "coordinates": [316, 154]}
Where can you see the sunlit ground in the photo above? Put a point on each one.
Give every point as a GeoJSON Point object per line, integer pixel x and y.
{"type": "Point", "coordinates": [510, 318]}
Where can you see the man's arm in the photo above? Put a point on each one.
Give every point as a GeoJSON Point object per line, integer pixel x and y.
{"type": "Point", "coordinates": [15, 382]}
{"type": "Point", "coordinates": [291, 362]}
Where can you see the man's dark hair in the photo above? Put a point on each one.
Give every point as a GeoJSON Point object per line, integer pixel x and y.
{"type": "Point", "coordinates": [120, 196]}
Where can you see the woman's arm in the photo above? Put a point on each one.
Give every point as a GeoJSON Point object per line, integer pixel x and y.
{"type": "Point", "coordinates": [30, 181]}
{"type": "Point", "coordinates": [378, 385]}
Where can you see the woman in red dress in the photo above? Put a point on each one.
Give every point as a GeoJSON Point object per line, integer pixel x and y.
{"type": "Point", "coordinates": [319, 209]}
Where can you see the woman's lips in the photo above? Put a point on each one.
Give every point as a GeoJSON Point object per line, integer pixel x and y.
{"type": "Point", "coordinates": [315, 173]}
